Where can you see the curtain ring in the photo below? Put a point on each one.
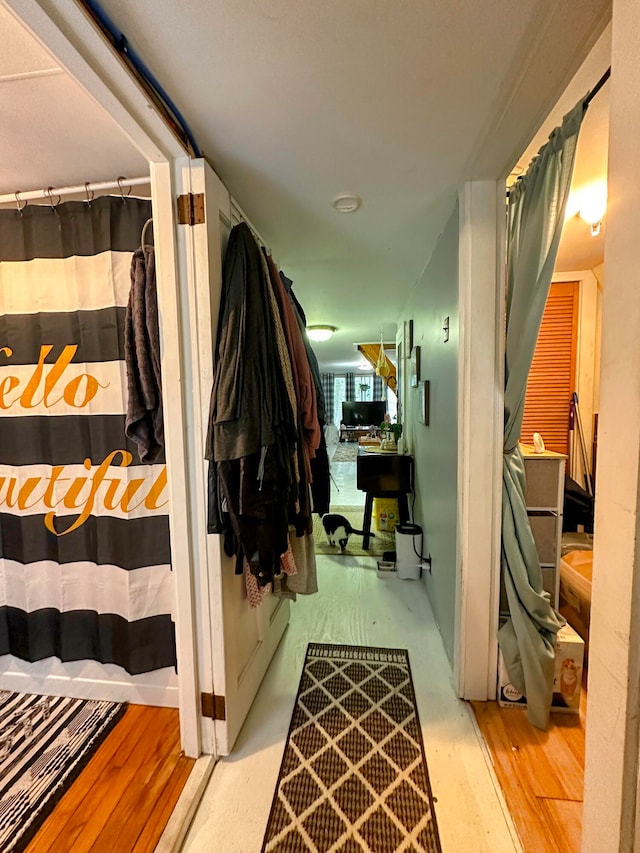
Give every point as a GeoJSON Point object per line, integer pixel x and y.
{"type": "Point", "coordinates": [120, 180]}
{"type": "Point", "coordinates": [89, 193]}
{"type": "Point", "coordinates": [20, 209]}
{"type": "Point", "coordinates": [49, 194]}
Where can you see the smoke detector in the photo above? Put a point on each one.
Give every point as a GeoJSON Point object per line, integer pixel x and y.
{"type": "Point", "coordinates": [347, 203]}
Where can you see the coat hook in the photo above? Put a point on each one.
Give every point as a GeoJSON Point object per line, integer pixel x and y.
{"type": "Point", "coordinates": [20, 209]}
{"type": "Point", "coordinates": [89, 192]}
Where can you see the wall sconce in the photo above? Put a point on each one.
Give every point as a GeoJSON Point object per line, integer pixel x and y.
{"type": "Point", "coordinates": [590, 203]}
{"type": "Point", "coordinates": [593, 213]}
{"type": "Point", "coordinates": [320, 333]}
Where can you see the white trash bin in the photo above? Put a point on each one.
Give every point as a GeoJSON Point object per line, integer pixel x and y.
{"type": "Point", "coordinates": [408, 551]}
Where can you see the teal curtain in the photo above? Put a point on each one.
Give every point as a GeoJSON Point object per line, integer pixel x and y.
{"type": "Point", "coordinates": [535, 218]}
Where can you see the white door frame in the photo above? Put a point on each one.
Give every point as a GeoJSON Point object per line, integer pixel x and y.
{"type": "Point", "coordinates": [68, 34]}
{"type": "Point", "coordinates": [611, 814]}
{"type": "Point", "coordinates": [480, 437]}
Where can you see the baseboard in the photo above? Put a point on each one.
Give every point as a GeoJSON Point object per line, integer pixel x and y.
{"type": "Point", "coordinates": [89, 680]}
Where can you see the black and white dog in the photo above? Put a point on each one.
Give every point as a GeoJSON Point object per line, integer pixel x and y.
{"type": "Point", "coordinates": [339, 529]}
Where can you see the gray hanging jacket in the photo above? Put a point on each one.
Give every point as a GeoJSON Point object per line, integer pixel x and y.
{"type": "Point", "coordinates": [144, 421]}
{"type": "Point", "coordinates": [252, 432]}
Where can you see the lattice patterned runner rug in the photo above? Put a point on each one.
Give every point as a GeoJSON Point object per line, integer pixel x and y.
{"type": "Point", "coordinates": [354, 774]}
{"type": "Point", "coordinates": [45, 741]}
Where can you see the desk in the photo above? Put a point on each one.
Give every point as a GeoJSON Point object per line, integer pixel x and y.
{"type": "Point", "coordinates": [383, 475]}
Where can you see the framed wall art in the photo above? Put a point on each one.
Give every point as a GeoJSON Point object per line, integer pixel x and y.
{"type": "Point", "coordinates": [414, 367]}
{"type": "Point", "coordinates": [423, 402]}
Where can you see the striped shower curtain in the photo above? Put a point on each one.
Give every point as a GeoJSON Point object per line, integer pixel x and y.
{"type": "Point", "coordinates": [85, 561]}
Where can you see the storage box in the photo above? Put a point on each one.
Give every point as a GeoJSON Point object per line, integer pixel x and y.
{"type": "Point", "coordinates": [567, 681]}
{"type": "Point", "coordinates": [576, 570]}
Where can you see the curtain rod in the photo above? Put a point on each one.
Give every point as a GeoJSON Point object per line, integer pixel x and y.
{"type": "Point", "coordinates": [87, 188]}
{"type": "Point", "coordinates": [591, 95]}
{"type": "Point", "coordinates": [597, 87]}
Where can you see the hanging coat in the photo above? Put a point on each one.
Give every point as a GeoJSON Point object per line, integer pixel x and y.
{"type": "Point", "coordinates": [252, 434]}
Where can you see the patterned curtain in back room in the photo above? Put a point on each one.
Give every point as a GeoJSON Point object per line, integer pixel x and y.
{"type": "Point", "coordinates": [85, 560]}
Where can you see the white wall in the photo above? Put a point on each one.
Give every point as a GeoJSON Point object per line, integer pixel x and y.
{"type": "Point", "coordinates": [435, 447]}
{"type": "Point", "coordinates": [610, 815]}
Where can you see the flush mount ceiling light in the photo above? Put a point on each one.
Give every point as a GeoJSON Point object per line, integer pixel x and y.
{"type": "Point", "coordinates": [347, 203]}
{"type": "Point", "coordinates": [320, 333]}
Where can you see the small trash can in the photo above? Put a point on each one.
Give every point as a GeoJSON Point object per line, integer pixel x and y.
{"type": "Point", "coordinates": [408, 551]}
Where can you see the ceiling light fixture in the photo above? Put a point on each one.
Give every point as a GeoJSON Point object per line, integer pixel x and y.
{"type": "Point", "coordinates": [347, 203]}
{"type": "Point", "coordinates": [320, 333]}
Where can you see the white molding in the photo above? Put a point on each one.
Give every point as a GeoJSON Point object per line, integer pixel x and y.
{"type": "Point", "coordinates": [200, 324]}
{"type": "Point", "coordinates": [138, 690]}
{"type": "Point", "coordinates": [170, 311]}
{"type": "Point", "coordinates": [175, 831]}
{"type": "Point", "coordinates": [479, 444]}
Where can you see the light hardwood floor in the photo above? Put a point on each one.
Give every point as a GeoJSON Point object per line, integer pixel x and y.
{"type": "Point", "coordinates": [123, 798]}
{"type": "Point", "coordinates": [541, 773]}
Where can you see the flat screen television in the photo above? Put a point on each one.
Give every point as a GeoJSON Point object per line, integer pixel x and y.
{"type": "Point", "coordinates": [363, 413]}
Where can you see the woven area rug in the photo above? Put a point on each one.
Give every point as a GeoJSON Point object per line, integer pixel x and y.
{"type": "Point", "coordinates": [346, 452]}
{"type": "Point", "coordinates": [45, 741]}
{"type": "Point", "coordinates": [354, 774]}
{"type": "Point", "coordinates": [383, 541]}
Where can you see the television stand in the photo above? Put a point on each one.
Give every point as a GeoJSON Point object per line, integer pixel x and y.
{"type": "Point", "coordinates": [348, 433]}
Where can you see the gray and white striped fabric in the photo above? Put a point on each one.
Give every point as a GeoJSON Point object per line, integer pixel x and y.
{"type": "Point", "coordinates": [328, 380]}
{"type": "Point", "coordinates": [85, 560]}
{"type": "Point", "coordinates": [350, 386]}
{"type": "Point", "coordinates": [378, 392]}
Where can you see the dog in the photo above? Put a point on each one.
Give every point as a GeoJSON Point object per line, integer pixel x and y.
{"type": "Point", "coordinates": [339, 529]}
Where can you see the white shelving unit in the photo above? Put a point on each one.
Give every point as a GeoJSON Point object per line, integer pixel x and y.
{"type": "Point", "coordinates": [544, 495]}
{"type": "Point", "coordinates": [545, 499]}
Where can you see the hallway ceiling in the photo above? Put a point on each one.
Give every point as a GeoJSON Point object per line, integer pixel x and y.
{"type": "Point", "coordinates": [295, 103]}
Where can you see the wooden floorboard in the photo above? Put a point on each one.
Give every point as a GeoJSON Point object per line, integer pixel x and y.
{"type": "Point", "coordinates": [541, 774]}
{"type": "Point", "coordinates": [124, 797]}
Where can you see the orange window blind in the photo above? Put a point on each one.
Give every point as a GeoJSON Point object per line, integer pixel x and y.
{"type": "Point", "coordinates": [553, 372]}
